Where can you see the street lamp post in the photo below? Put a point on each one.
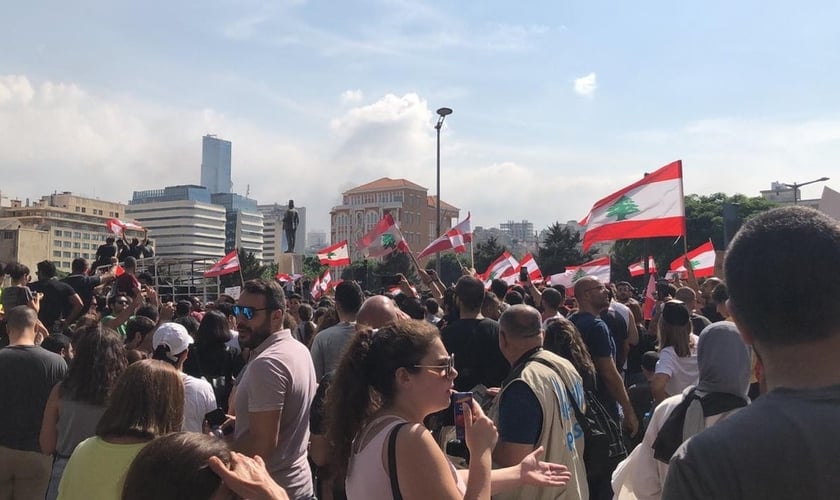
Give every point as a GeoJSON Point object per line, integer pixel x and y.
{"type": "Point", "coordinates": [442, 114]}
{"type": "Point", "coordinates": [796, 185]}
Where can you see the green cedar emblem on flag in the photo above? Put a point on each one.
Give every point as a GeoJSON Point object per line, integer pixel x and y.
{"type": "Point", "coordinates": [580, 273]}
{"type": "Point", "coordinates": [694, 264]}
{"type": "Point", "coordinates": [623, 208]}
{"type": "Point", "coordinates": [388, 241]}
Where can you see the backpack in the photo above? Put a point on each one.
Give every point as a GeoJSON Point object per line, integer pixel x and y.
{"type": "Point", "coordinates": [604, 444]}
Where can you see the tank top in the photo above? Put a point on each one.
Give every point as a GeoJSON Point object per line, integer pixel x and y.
{"type": "Point", "coordinates": [76, 422]}
{"type": "Point", "coordinates": [366, 475]}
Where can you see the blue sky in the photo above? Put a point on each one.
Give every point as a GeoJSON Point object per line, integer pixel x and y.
{"type": "Point", "coordinates": [556, 103]}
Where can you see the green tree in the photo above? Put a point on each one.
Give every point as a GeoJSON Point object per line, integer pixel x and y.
{"type": "Point", "coordinates": [486, 252]}
{"type": "Point", "coordinates": [312, 267]}
{"type": "Point", "coordinates": [623, 208]}
{"type": "Point", "coordinates": [396, 263]}
{"type": "Point", "coordinates": [703, 221]}
{"type": "Point", "coordinates": [362, 271]}
{"type": "Point", "coordinates": [560, 248]}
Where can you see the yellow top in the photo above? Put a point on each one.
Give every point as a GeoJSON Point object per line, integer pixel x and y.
{"type": "Point", "coordinates": [96, 470]}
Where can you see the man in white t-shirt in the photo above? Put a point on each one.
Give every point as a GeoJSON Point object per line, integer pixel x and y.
{"type": "Point", "coordinates": [171, 343]}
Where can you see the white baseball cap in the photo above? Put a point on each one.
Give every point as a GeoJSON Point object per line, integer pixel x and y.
{"type": "Point", "coordinates": [174, 336]}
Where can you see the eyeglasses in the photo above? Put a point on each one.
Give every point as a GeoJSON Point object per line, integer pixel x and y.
{"type": "Point", "coordinates": [248, 311]}
{"type": "Point", "coordinates": [444, 370]}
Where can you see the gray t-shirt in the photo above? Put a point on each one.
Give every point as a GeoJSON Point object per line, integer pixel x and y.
{"type": "Point", "coordinates": [783, 446]}
{"type": "Point", "coordinates": [329, 345]}
{"type": "Point", "coordinates": [280, 376]}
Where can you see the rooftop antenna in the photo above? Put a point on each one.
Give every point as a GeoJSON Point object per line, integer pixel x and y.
{"type": "Point", "coordinates": [247, 190]}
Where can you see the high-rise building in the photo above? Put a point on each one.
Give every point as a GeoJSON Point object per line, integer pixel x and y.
{"type": "Point", "coordinates": [243, 224]}
{"type": "Point", "coordinates": [519, 232]}
{"type": "Point", "coordinates": [60, 227]}
{"type": "Point", "coordinates": [185, 224]}
{"type": "Point", "coordinates": [408, 203]}
{"type": "Point", "coordinates": [215, 164]}
{"type": "Point", "coordinates": [274, 238]}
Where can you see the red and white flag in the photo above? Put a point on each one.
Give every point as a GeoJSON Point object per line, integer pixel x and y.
{"type": "Point", "coordinates": [335, 255]}
{"type": "Point", "coordinates": [598, 269]}
{"type": "Point", "coordinates": [651, 207]}
{"type": "Point", "coordinates": [316, 290]}
{"type": "Point", "coordinates": [455, 239]}
{"type": "Point", "coordinates": [283, 277]}
{"type": "Point", "coordinates": [502, 267]}
{"type": "Point", "coordinates": [383, 239]}
{"type": "Point", "coordinates": [326, 279]}
{"type": "Point", "coordinates": [228, 264]}
{"type": "Point", "coordinates": [638, 268]}
{"type": "Point", "coordinates": [118, 227]}
{"type": "Point", "coordinates": [702, 261]}
{"type": "Point", "coordinates": [650, 300]}
{"type": "Point", "coordinates": [530, 264]}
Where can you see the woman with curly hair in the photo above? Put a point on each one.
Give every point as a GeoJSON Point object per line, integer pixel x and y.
{"type": "Point", "coordinates": [385, 385]}
{"type": "Point", "coordinates": [563, 339]}
{"type": "Point", "coordinates": [76, 404]}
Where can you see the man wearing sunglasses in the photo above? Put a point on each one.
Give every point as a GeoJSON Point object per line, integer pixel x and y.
{"type": "Point", "coordinates": [275, 389]}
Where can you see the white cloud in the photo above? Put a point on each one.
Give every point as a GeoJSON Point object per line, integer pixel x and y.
{"type": "Point", "coordinates": [352, 96]}
{"type": "Point", "coordinates": [586, 85]}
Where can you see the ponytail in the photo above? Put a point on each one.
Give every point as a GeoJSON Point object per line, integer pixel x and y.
{"type": "Point", "coordinates": [350, 400]}
{"type": "Point", "coordinates": [162, 354]}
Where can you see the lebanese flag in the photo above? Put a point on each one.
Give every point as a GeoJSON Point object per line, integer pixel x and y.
{"type": "Point", "coordinates": [638, 268]}
{"type": "Point", "coordinates": [326, 279]}
{"type": "Point", "coordinates": [530, 264]}
{"type": "Point", "coordinates": [228, 264]}
{"type": "Point", "coordinates": [336, 255]}
{"type": "Point", "coordinates": [455, 239]}
{"type": "Point", "coordinates": [651, 207]}
{"type": "Point", "coordinates": [118, 227]}
{"type": "Point", "coordinates": [283, 277]}
{"type": "Point", "coordinates": [702, 261]}
{"type": "Point", "coordinates": [383, 239]}
{"type": "Point", "coordinates": [650, 300]}
{"type": "Point", "coordinates": [502, 267]}
{"type": "Point", "coordinates": [316, 290]}
{"type": "Point", "coordinates": [598, 269]}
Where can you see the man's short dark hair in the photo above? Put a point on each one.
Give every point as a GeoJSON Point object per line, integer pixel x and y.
{"type": "Point", "coordinates": [297, 296]}
{"type": "Point", "coordinates": [148, 311]}
{"type": "Point", "coordinates": [560, 288]}
{"type": "Point", "coordinates": [47, 269]}
{"type": "Point", "coordinates": [349, 296]}
{"type": "Point", "coordinates": [432, 307]}
{"type": "Point", "coordinates": [552, 298]}
{"type": "Point", "coordinates": [183, 308]}
{"type": "Point", "coordinates": [275, 298]}
{"type": "Point", "coordinates": [19, 318]}
{"type": "Point", "coordinates": [138, 324]}
{"type": "Point", "coordinates": [130, 263]}
{"type": "Point", "coordinates": [780, 271]}
{"type": "Point", "coordinates": [470, 293]}
{"type": "Point", "coordinates": [79, 265]}
{"type": "Point", "coordinates": [499, 287]}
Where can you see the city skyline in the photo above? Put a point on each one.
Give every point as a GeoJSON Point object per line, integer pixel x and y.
{"type": "Point", "coordinates": [555, 106]}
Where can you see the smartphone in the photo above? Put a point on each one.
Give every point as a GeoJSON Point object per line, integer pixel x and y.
{"type": "Point", "coordinates": [458, 398]}
{"type": "Point", "coordinates": [523, 274]}
{"type": "Point", "coordinates": [216, 418]}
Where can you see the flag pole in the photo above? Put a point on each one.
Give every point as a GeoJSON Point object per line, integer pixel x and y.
{"type": "Point", "coordinates": [241, 276]}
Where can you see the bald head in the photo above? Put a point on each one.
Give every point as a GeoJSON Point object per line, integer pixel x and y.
{"type": "Point", "coordinates": [591, 295]}
{"type": "Point", "coordinates": [378, 311]}
{"type": "Point", "coordinates": [520, 321]}
{"type": "Point", "coordinates": [687, 295]}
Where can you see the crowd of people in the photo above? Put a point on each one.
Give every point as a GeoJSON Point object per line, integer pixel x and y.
{"type": "Point", "coordinates": [727, 391]}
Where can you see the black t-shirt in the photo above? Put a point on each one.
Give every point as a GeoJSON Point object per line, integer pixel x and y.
{"type": "Point", "coordinates": [710, 312]}
{"type": "Point", "coordinates": [699, 323]}
{"type": "Point", "coordinates": [784, 445]}
{"type": "Point", "coordinates": [478, 359]}
{"type": "Point", "coordinates": [56, 301]}
{"type": "Point", "coordinates": [618, 329]}
{"type": "Point", "coordinates": [27, 375]}
{"type": "Point", "coordinates": [83, 285]}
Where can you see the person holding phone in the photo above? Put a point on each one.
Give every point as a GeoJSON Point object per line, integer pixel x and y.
{"type": "Point", "coordinates": [385, 385]}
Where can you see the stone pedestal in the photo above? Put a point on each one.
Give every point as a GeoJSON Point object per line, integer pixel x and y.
{"type": "Point", "coordinates": [290, 263]}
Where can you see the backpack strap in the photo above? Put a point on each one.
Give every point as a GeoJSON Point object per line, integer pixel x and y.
{"type": "Point", "coordinates": [392, 460]}
{"type": "Point", "coordinates": [578, 414]}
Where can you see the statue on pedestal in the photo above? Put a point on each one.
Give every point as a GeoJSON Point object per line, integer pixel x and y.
{"type": "Point", "coordinates": [290, 225]}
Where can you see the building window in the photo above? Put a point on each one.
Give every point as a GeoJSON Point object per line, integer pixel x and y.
{"type": "Point", "coordinates": [77, 234]}
{"type": "Point", "coordinates": [86, 255]}
{"type": "Point", "coordinates": [67, 244]}
{"type": "Point", "coordinates": [57, 233]}
{"type": "Point", "coordinates": [56, 243]}
{"type": "Point", "coordinates": [84, 210]}
{"type": "Point", "coordinates": [85, 236]}
{"type": "Point", "coordinates": [56, 253]}
{"type": "Point", "coordinates": [77, 245]}
{"type": "Point", "coordinates": [78, 209]}
{"type": "Point", "coordinates": [68, 234]}
{"type": "Point", "coordinates": [8, 235]}
{"type": "Point", "coordinates": [65, 265]}
{"type": "Point", "coordinates": [76, 255]}
{"type": "Point", "coordinates": [66, 255]}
